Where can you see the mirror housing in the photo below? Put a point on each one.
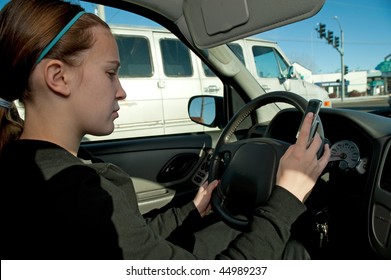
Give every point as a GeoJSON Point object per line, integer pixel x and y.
{"type": "Point", "coordinates": [206, 110]}
{"type": "Point", "coordinates": [292, 72]}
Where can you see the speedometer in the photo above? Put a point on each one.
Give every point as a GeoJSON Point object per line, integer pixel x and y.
{"type": "Point", "coordinates": [346, 152]}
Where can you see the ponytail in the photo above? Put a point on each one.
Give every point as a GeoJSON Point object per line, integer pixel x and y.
{"type": "Point", "coordinates": [11, 125]}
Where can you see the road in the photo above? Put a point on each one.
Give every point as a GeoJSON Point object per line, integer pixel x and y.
{"type": "Point", "coordinates": [367, 103]}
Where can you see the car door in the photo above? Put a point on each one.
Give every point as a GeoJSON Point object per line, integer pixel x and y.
{"type": "Point", "coordinates": [163, 169]}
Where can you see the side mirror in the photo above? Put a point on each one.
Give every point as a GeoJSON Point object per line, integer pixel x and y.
{"type": "Point", "coordinates": [291, 73]}
{"type": "Point", "coordinates": [206, 110]}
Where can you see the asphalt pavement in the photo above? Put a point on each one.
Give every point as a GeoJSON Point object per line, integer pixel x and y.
{"type": "Point", "coordinates": [371, 102]}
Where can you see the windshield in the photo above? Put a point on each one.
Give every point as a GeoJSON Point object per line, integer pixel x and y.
{"type": "Point", "coordinates": [333, 57]}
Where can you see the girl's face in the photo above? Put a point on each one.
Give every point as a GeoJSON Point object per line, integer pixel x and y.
{"type": "Point", "coordinates": [96, 94]}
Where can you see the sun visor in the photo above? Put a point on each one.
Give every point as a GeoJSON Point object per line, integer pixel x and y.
{"type": "Point", "coordinates": [214, 22]}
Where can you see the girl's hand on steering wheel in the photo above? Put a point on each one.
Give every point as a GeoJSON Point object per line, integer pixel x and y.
{"type": "Point", "coordinates": [202, 198]}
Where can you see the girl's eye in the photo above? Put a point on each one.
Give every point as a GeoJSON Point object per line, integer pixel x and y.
{"type": "Point", "coordinates": [112, 74]}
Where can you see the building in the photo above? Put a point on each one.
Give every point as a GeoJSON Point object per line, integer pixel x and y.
{"type": "Point", "coordinates": [357, 83]}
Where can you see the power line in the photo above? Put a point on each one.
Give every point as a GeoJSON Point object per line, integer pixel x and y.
{"type": "Point", "coordinates": [385, 43]}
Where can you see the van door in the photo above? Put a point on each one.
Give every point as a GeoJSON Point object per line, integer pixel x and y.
{"type": "Point", "coordinates": [291, 81]}
{"type": "Point", "coordinates": [179, 80]}
{"type": "Point", "coordinates": [272, 69]}
{"type": "Point", "coordinates": [262, 62]}
{"type": "Point", "coordinates": [211, 85]}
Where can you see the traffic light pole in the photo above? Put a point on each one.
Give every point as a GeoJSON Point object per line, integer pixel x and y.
{"type": "Point", "coordinates": [334, 41]}
{"type": "Point", "coordinates": [341, 52]}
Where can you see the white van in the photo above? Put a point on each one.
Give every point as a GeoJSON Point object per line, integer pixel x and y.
{"type": "Point", "coordinates": [159, 74]}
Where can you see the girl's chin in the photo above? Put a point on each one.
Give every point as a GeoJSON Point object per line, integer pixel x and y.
{"type": "Point", "coordinates": [104, 132]}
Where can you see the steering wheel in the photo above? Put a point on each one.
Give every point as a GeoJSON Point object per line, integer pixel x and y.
{"type": "Point", "coordinates": [248, 166]}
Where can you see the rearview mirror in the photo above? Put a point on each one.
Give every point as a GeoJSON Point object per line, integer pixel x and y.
{"type": "Point", "coordinates": [206, 110]}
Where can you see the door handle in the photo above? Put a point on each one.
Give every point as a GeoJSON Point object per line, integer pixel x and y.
{"type": "Point", "coordinates": [177, 168]}
{"type": "Point", "coordinates": [212, 88]}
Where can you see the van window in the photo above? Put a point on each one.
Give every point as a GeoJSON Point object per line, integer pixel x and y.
{"type": "Point", "coordinates": [265, 62]}
{"type": "Point", "coordinates": [207, 71]}
{"type": "Point", "coordinates": [176, 58]}
{"type": "Point", "coordinates": [135, 56]}
{"type": "Point", "coordinates": [283, 64]}
{"type": "Point", "coordinates": [237, 50]}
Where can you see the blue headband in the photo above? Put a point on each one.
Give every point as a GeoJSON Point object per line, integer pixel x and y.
{"type": "Point", "coordinates": [58, 37]}
{"type": "Point", "coordinates": [5, 103]}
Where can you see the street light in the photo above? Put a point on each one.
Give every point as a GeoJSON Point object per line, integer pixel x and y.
{"type": "Point", "coordinates": [341, 52]}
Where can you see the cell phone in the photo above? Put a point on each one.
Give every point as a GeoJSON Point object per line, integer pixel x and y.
{"type": "Point", "coordinates": [314, 107]}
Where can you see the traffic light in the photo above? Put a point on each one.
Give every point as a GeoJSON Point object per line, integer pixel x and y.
{"type": "Point", "coordinates": [322, 30]}
{"type": "Point", "coordinates": [336, 42]}
{"type": "Point", "coordinates": [346, 69]}
{"type": "Point", "coordinates": [329, 37]}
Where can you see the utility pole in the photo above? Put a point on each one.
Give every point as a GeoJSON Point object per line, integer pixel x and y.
{"type": "Point", "coordinates": [338, 44]}
{"type": "Point", "coordinates": [341, 52]}
{"type": "Point", "coordinates": [100, 11]}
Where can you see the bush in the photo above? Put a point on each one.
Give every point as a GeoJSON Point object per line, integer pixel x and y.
{"type": "Point", "coordinates": [355, 93]}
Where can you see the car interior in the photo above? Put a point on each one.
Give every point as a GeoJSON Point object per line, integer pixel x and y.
{"type": "Point", "coordinates": [349, 211]}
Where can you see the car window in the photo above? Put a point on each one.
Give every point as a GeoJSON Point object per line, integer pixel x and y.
{"type": "Point", "coordinates": [159, 74]}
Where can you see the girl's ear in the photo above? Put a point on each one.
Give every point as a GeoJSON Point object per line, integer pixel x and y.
{"type": "Point", "coordinates": [56, 78]}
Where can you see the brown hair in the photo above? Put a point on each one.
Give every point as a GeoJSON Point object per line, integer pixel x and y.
{"type": "Point", "coordinates": [26, 28]}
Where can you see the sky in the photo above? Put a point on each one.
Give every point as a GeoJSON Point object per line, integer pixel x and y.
{"type": "Point", "coordinates": [366, 25]}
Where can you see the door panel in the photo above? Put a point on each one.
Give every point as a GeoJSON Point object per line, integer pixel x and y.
{"type": "Point", "coordinates": [163, 169]}
{"type": "Point", "coordinates": [151, 195]}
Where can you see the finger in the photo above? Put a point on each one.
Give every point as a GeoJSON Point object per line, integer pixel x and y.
{"type": "Point", "coordinates": [204, 186]}
{"type": "Point", "coordinates": [305, 130]}
{"type": "Point", "coordinates": [213, 185]}
{"type": "Point", "coordinates": [316, 143]}
{"type": "Point", "coordinates": [208, 187]}
{"type": "Point", "coordinates": [324, 159]}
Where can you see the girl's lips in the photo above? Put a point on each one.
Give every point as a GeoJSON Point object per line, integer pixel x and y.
{"type": "Point", "coordinates": [115, 113]}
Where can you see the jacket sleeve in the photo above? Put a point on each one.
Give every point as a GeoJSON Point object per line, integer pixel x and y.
{"type": "Point", "coordinates": [164, 223]}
